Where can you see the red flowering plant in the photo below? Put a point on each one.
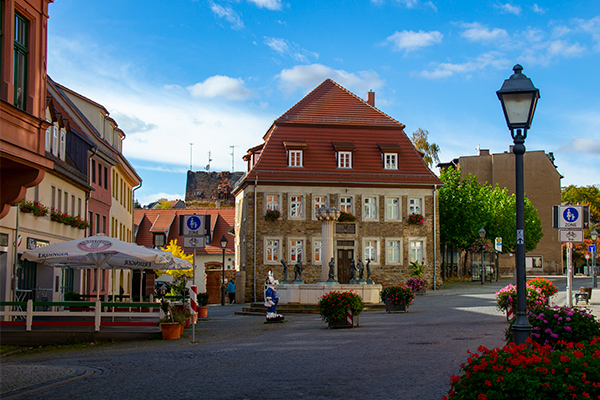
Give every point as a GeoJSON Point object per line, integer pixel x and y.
{"type": "Point", "coordinates": [416, 283]}
{"type": "Point", "coordinates": [415, 219]}
{"type": "Point", "coordinates": [530, 372]}
{"type": "Point", "coordinates": [554, 325]}
{"type": "Point", "coordinates": [398, 294]}
{"type": "Point", "coordinates": [334, 305]}
{"type": "Point", "coordinates": [548, 288]}
{"type": "Point", "coordinates": [507, 297]}
{"type": "Point", "coordinates": [346, 217]}
{"type": "Point", "coordinates": [58, 216]}
{"type": "Point", "coordinates": [34, 207]}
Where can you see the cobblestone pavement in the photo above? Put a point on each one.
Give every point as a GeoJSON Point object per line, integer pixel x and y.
{"type": "Point", "coordinates": [390, 356]}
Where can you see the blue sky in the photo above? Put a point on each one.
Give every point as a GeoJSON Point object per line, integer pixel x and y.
{"type": "Point", "coordinates": [218, 73]}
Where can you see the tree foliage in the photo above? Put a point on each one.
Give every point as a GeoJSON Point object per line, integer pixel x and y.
{"type": "Point", "coordinates": [178, 252]}
{"type": "Point", "coordinates": [466, 207]}
{"type": "Point", "coordinates": [421, 143]}
{"type": "Point", "coordinates": [584, 195]}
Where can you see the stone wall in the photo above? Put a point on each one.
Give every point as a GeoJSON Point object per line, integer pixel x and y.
{"type": "Point", "coordinates": [211, 186]}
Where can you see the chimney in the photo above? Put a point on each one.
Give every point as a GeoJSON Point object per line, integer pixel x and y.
{"type": "Point", "coordinates": [484, 152]}
{"type": "Point", "coordinates": [371, 98]}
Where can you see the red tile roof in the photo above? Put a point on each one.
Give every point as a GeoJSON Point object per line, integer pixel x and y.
{"type": "Point", "coordinates": [331, 117]}
{"type": "Point", "coordinates": [167, 221]}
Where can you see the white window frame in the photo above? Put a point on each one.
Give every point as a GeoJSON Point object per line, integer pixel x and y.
{"type": "Point", "coordinates": [272, 202]}
{"type": "Point", "coordinates": [296, 246]}
{"type": "Point", "coordinates": [317, 250]}
{"type": "Point", "coordinates": [389, 208]}
{"type": "Point", "coordinates": [296, 206]}
{"type": "Point", "coordinates": [63, 144]}
{"type": "Point", "coordinates": [423, 241]}
{"type": "Point", "coordinates": [389, 247]}
{"type": "Point", "coordinates": [344, 206]}
{"type": "Point", "coordinates": [295, 158]}
{"type": "Point", "coordinates": [390, 161]}
{"type": "Point", "coordinates": [412, 207]}
{"type": "Point", "coordinates": [49, 138]}
{"type": "Point", "coordinates": [345, 159]}
{"type": "Point", "coordinates": [372, 206]}
{"type": "Point", "coordinates": [318, 203]}
{"type": "Point", "coordinates": [368, 249]}
{"type": "Point", "coordinates": [55, 140]}
{"type": "Point", "coordinates": [273, 244]}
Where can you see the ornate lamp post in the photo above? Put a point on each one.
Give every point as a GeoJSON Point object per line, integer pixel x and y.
{"type": "Point", "coordinates": [482, 236]}
{"type": "Point", "coordinates": [519, 98]}
{"type": "Point", "coordinates": [223, 247]}
{"type": "Point", "coordinates": [594, 236]}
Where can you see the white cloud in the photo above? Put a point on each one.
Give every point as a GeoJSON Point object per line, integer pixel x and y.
{"type": "Point", "coordinates": [537, 9]}
{"type": "Point", "coordinates": [228, 14]}
{"type": "Point", "coordinates": [411, 40]}
{"type": "Point", "coordinates": [307, 77]}
{"type": "Point", "coordinates": [130, 124]}
{"type": "Point", "coordinates": [476, 32]}
{"type": "Point", "coordinates": [220, 86]}
{"type": "Point", "coordinates": [146, 199]}
{"type": "Point", "coordinates": [484, 61]}
{"type": "Point", "coordinates": [290, 49]}
{"type": "Point", "coordinates": [509, 8]}
{"type": "Point", "coordinates": [592, 27]}
{"type": "Point", "coordinates": [585, 145]}
{"type": "Point", "coordinates": [273, 5]}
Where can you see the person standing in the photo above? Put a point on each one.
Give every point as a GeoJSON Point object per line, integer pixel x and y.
{"type": "Point", "coordinates": [231, 290]}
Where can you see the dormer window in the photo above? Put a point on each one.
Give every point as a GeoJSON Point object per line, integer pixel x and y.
{"type": "Point", "coordinates": [295, 158]}
{"type": "Point", "coordinates": [390, 160]}
{"type": "Point", "coordinates": [344, 154]}
{"type": "Point", "coordinates": [389, 155]}
{"type": "Point", "coordinates": [295, 153]}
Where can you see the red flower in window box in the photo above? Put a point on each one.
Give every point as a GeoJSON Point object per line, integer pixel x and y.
{"type": "Point", "coordinates": [416, 219]}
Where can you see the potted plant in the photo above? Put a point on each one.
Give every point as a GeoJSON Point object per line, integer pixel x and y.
{"type": "Point", "coordinates": [547, 287]}
{"type": "Point", "coordinates": [397, 297]}
{"type": "Point", "coordinates": [416, 219]}
{"type": "Point", "coordinates": [340, 309]}
{"type": "Point", "coordinates": [35, 207]}
{"type": "Point", "coordinates": [169, 328]}
{"type": "Point", "coordinates": [346, 217]}
{"type": "Point", "coordinates": [202, 308]}
{"type": "Point", "coordinates": [506, 298]}
{"type": "Point", "coordinates": [272, 215]}
{"type": "Point", "coordinates": [58, 216]}
{"type": "Point", "coordinates": [417, 284]}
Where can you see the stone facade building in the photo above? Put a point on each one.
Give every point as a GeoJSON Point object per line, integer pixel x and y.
{"type": "Point", "coordinates": [211, 187]}
{"type": "Point", "coordinates": [334, 149]}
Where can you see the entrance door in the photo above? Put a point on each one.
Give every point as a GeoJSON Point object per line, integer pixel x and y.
{"type": "Point", "coordinates": [344, 256]}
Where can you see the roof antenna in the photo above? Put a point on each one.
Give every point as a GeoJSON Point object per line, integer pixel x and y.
{"type": "Point", "coordinates": [191, 144]}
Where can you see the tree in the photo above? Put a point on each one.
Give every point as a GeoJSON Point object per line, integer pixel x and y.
{"type": "Point", "coordinates": [466, 207]}
{"type": "Point", "coordinates": [584, 195]}
{"type": "Point", "coordinates": [419, 140]}
{"type": "Point", "coordinates": [178, 252]}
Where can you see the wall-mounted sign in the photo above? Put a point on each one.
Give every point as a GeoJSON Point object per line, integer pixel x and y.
{"type": "Point", "coordinates": [3, 239]}
{"type": "Point", "coordinates": [33, 243]}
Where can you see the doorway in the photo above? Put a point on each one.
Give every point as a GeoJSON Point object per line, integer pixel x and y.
{"type": "Point", "coordinates": [344, 256]}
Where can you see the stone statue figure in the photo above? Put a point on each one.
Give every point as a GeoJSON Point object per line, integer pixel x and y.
{"type": "Point", "coordinates": [298, 270]}
{"type": "Point", "coordinates": [361, 270]}
{"type": "Point", "coordinates": [352, 272]}
{"type": "Point", "coordinates": [271, 299]}
{"type": "Point", "coordinates": [331, 271]}
{"type": "Point", "coordinates": [369, 280]}
{"type": "Point", "coordinates": [285, 271]}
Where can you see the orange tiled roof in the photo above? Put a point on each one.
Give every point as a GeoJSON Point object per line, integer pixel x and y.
{"type": "Point", "coordinates": [330, 118]}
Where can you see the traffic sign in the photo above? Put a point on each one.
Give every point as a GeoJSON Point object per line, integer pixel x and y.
{"type": "Point", "coordinates": [587, 256]}
{"type": "Point", "coordinates": [570, 217]}
{"type": "Point", "coordinates": [570, 236]}
{"type": "Point", "coordinates": [498, 244]}
{"type": "Point", "coordinates": [592, 248]}
{"type": "Point", "coordinates": [193, 225]}
{"type": "Point", "coordinates": [193, 242]}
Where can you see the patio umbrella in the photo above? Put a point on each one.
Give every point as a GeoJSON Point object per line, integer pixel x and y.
{"type": "Point", "coordinates": [103, 252]}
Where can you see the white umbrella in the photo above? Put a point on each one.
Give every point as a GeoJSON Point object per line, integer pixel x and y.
{"type": "Point", "coordinates": [101, 251]}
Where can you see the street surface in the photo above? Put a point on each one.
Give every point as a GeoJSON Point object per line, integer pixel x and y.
{"type": "Point", "coordinates": [390, 356]}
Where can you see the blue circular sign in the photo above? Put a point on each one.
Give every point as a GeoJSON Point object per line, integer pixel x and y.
{"type": "Point", "coordinates": [570, 214]}
{"type": "Point", "coordinates": [194, 223]}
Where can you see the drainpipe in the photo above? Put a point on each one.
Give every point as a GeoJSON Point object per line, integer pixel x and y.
{"type": "Point", "coordinates": [434, 240]}
{"type": "Point", "coordinates": [254, 246]}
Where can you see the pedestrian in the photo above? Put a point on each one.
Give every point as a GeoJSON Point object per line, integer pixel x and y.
{"type": "Point", "coordinates": [231, 290]}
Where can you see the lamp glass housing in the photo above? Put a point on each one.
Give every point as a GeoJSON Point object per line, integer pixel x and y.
{"type": "Point", "coordinates": [594, 235]}
{"type": "Point", "coordinates": [482, 233]}
{"type": "Point", "coordinates": [223, 242]}
{"type": "Point", "coordinates": [519, 109]}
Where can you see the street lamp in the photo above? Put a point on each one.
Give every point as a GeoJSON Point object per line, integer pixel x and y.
{"type": "Point", "coordinates": [223, 247]}
{"type": "Point", "coordinates": [519, 98]}
{"type": "Point", "coordinates": [482, 236]}
{"type": "Point", "coordinates": [594, 236]}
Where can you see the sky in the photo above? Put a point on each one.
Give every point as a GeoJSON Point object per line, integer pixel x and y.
{"type": "Point", "coordinates": [196, 83]}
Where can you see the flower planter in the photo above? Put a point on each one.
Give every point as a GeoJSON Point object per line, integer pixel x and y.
{"type": "Point", "coordinates": [202, 311]}
{"type": "Point", "coordinates": [350, 322]}
{"type": "Point", "coordinates": [170, 330]}
{"type": "Point", "coordinates": [390, 308]}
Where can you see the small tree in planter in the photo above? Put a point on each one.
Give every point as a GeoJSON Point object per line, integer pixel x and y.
{"type": "Point", "coordinates": [169, 327]}
{"type": "Point", "coordinates": [335, 306]}
{"type": "Point", "coordinates": [397, 297]}
{"type": "Point", "coordinates": [202, 299]}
